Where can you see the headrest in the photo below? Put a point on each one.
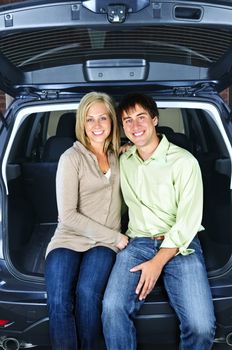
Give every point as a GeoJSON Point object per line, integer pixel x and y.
{"type": "Point", "coordinates": [166, 130]}
{"type": "Point", "coordinates": [177, 138]}
{"type": "Point", "coordinates": [180, 140]}
{"type": "Point", "coordinates": [66, 125]}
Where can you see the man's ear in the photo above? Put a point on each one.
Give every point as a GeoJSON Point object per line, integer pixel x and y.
{"type": "Point", "coordinates": [155, 121]}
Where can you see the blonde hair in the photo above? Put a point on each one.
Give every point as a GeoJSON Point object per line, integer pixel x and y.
{"type": "Point", "coordinates": [112, 142]}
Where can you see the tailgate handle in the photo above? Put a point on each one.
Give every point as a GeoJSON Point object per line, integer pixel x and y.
{"type": "Point", "coordinates": [116, 13]}
{"type": "Point", "coordinates": [188, 13]}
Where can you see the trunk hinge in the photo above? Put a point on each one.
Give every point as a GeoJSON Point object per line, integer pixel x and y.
{"type": "Point", "coordinates": [49, 94]}
{"type": "Point", "coordinates": [34, 93]}
{"type": "Point", "coordinates": [183, 91]}
{"type": "Point", "coordinates": [196, 90]}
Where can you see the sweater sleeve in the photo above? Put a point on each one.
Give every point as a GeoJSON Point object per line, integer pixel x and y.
{"type": "Point", "coordinates": [67, 189]}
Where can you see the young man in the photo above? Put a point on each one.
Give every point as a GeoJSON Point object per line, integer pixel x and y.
{"type": "Point", "coordinates": [162, 187]}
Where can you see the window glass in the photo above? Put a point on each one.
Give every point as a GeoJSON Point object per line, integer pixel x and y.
{"type": "Point", "coordinates": [60, 46]}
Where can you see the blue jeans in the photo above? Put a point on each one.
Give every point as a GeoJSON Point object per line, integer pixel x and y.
{"type": "Point", "coordinates": [75, 286]}
{"type": "Point", "coordinates": [186, 282]}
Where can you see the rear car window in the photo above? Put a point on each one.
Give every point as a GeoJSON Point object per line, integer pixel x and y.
{"type": "Point", "coordinates": [187, 45]}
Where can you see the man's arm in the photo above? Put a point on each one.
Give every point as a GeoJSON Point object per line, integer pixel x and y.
{"type": "Point", "coordinates": [151, 270]}
{"type": "Point", "coordinates": [189, 194]}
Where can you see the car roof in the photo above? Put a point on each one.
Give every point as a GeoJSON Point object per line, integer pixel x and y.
{"type": "Point", "coordinates": [61, 44]}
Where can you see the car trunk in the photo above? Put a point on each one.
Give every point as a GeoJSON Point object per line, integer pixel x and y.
{"type": "Point", "coordinates": [42, 132]}
{"type": "Point", "coordinates": [53, 50]}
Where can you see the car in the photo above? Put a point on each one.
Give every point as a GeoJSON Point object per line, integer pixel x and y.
{"type": "Point", "coordinates": [54, 52]}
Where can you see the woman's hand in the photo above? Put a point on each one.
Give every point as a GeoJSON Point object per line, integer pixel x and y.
{"type": "Point", "coordinates": [125, 147]}
{"type": "Point", "coordinates": [122, 242]}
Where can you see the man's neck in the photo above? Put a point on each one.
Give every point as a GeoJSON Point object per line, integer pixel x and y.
{"type": "Point", "coordinates": [146, 151]}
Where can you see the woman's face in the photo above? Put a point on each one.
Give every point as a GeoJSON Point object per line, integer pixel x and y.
{"type": "Point", "coordinates": [97, 124]}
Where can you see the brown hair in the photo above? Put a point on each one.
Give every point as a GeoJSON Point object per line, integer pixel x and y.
{"type": "Point", "coordinates": [131, 100]}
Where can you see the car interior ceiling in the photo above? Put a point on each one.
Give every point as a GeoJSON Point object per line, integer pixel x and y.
{"type": "Point", "coordinates": [32, 209]}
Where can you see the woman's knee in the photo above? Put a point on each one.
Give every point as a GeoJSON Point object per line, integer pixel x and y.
{"type": "Point", "coordinates": [87, 295]}
{"type": "Point", "coordinates": [61, 301]}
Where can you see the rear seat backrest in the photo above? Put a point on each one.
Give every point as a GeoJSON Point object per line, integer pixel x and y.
{"type": "Point", "coordinates": [166, 130]}
{"type": "Point", "coordinates": [40, 189]}
{"type": "Point", "coordinates": [180, 140]}
{"type": "Point", "coordinates": [55, 146]}
{"type": "Point", "coordinates": [39, 177]}
{"type": "Point", "coordinates": [177, 138]}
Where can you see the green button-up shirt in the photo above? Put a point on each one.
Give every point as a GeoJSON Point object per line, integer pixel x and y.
{"type": "Point", "coordinates": [164, 195]}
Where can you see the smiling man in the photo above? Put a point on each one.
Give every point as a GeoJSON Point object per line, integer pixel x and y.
{"type": "Point", "coordinates": [162, 187]}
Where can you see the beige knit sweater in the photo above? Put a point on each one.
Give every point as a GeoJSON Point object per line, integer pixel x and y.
{"type": "Point", "coordinates": [89, 204]}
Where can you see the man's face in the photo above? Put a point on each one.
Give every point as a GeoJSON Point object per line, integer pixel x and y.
{"type": "Point", "coordinates": [139, 126]}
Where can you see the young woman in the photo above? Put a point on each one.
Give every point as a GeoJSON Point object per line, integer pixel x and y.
{"type": "Point", "coordinates": [82, 251]}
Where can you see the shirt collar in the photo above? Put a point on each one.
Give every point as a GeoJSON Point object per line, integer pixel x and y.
{"type": "Point", "coordinates": [81, 148]}
{"type": "Point", "coordinates": [160, 152]}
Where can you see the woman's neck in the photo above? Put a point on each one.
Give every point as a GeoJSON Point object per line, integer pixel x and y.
{"type": "Point", "coordinates": [97, 150]}
{"type": "Point", "coordinates": [102, 158]}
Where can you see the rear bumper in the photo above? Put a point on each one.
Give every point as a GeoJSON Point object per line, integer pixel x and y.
{"type": "Point", "coordinates": [24, 304]}
{"type": "Point", "coordinates": [156, 323]}
{"type": "Point", "coordinates": [28, 323]}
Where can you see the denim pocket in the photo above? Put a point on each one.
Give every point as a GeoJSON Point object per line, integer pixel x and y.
{"type": "Point", "coordinates": [144, 247]}
{"type": "Point", "coordinates": [196, 245]}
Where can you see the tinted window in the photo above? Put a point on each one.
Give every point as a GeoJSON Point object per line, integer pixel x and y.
{"type": "Point", "coordinates": [60, 46]}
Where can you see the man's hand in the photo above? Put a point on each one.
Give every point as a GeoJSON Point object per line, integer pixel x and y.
{"type": "Point", "coordinates": [123, 242]}
{"type": "Point", "coordinates": [151, 270]}
{"type": "Point", "coordinates": [150, 273]}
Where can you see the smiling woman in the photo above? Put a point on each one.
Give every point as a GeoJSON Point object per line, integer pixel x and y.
{"type": "Point", "coordinates": [87, 235]}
